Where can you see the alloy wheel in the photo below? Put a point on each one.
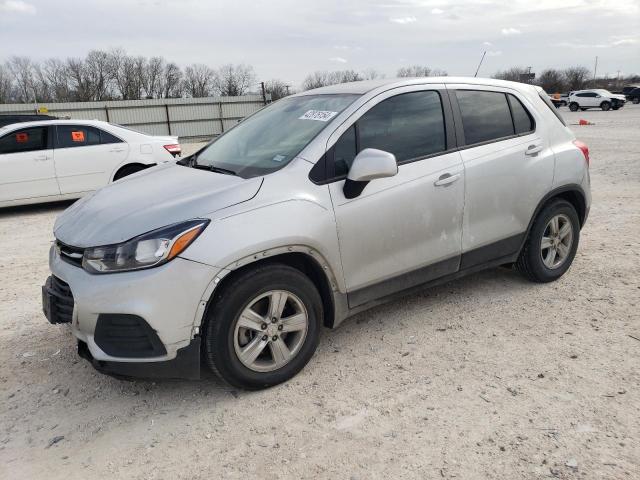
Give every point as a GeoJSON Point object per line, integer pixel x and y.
{"type": "Point", "coordinates": [557, 240]}
{"type": "Point", "coordinates": [270, 331]}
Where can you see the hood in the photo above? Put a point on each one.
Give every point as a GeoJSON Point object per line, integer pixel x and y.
{"type": "Point", "coordinates": [619, 97]}
{"type": "Point", "coordinates": [147, 200]}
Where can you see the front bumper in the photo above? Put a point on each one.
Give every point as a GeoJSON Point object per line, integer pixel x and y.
{"type": "Point", "coordinates": [185, 365]}
{"type": "Point", "coordinates": [165, 303]}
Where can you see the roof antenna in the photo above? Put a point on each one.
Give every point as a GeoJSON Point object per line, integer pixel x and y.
{"type": "Point", "coordinates": [478, 69]}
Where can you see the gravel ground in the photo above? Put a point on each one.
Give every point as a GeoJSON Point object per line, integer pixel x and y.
{"type": "Point", "coordinates": [488, 377]}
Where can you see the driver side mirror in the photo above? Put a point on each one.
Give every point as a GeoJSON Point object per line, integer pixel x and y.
{"type": "Point", "coordinates": [368, 165]}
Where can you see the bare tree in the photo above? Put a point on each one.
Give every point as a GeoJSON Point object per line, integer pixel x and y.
{"type": "Point", "coordinates": [98, 74]}
{"type": "Point", "coordinates": [576, 77]}
{"type": "Point", "coordinates": [551, 80]}
{"type": "Point", "coordinates": [316, 80]}
{"type": "Point", "coordinates": [513, 74]}
{"type": "Point", "coordinates": [6, 88]}
{"type": "Point", "coordinates": [80, 83]}
{"type": "Point", "coordinates": [153, 77]}
{"type": "Point", "coordinates": [277, 89]}
{"type": "Point", "coordinates": [323, 78]}
{"type": "Point", "coordinates": [171, 81]}
{"type": "Point", "coordinates": [420, 71]}
{"type": "Point", "coordinates": [128, 74]}
{"type": "Point", "coordinates": [233, 80]}
{"type": "Point", "coordinates": [57, 75]}
{"type": "Point", "coordinates": [199, 80]}
{"type": "Point", "coordinates": [22, 70]}
{"type": "Point", "coordinates": [371, 74]}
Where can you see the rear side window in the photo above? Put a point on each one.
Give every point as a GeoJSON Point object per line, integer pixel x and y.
{"type": "Point", "coordinates": [25, 140]}
{"type": "Point", "coordinates": [485, 115]}
{"type": "Point", "coordinates": [77, 136]}
{"type": "Point", "coordinates": [522, 120]}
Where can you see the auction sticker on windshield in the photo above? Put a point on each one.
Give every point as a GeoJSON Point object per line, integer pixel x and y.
{"type": "Point", "coordinates": [320, 115]}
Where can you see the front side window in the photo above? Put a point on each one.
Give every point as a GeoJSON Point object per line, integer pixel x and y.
{"type": "Point", "coordinates": [268, 140]}
{"type": "Point", "coordinates": [77, 136]}
{"type": "Point", "coordinates": [485, 115]}
{"type": "Point", "coordinates": [25, 140]}
{"type": "Point", "coordinates": [409, 125]}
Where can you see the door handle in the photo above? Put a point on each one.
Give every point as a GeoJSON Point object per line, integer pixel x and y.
{"type": "Point", "coordinates": [117, 150]}
{"type": "Point", "coordinates": [41, 158]}
{"type": "Point", "coordinates": [446, 179]}
{"type": "Point", "coordinates": [533, 149]}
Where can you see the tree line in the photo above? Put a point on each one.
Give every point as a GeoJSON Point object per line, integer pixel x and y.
{"type": "Point", "coordinates": [115, 75]}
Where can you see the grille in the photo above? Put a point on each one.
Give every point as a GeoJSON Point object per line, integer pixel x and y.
{"type": "Point", "coordinates": [69, 254]}
{"type": "Point", "coordinates": [62, 302]}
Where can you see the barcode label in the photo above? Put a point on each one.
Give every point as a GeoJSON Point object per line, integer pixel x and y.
{"type": "Point", "coordinates": [320, 115]}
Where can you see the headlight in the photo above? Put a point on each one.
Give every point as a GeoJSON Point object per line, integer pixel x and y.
{"type": "Point", "coordinates": [148, 250]}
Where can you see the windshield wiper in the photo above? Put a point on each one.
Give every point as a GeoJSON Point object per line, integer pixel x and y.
{"type": "Point", "coordinates": [222, 170]}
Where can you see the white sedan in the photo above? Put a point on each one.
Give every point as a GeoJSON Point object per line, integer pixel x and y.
{"type": "Point", "coordinates": [52, 160]}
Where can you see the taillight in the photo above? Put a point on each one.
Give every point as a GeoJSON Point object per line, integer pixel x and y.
{"type": "Point", "coordinates": [583, 148]}
{"type": "Point", "coordinates": [173, 149]}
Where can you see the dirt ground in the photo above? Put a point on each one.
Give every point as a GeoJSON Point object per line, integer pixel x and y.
{"type": "Point", "coordinates": [488, 377]}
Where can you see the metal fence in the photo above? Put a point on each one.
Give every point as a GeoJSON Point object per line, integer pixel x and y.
{"type": "Point", "coordinates": [192, 119]}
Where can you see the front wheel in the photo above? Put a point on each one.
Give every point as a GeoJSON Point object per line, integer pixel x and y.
{"type": "Point", "coordinates": [573, 106]}
{"type": "Point", "coordinates": [635, 100]}
{"type": "Point", "coordinates": [552, 243]}
{"type": "Point", "coordinates": [605, 106]}
{"type": "Point", "coordinates": [263, 328]}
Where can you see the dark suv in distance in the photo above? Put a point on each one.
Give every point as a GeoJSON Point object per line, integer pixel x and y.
{"type": "Point", "coordinates": [633, 95]}
{"type": "Point", "coordinates": [10, 119]}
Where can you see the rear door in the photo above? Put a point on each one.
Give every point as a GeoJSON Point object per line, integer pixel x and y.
{"type": "Point", "coordinates": [508, 168]}
{"type": "Point", "coordinates": [86, 156]}
{"type": "Point", "coordinates": [26, 164]}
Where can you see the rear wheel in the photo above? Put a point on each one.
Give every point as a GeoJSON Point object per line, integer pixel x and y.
{"type": "Point", "coordinates": [552, 243]}
{"type": "Point", "coordinates": [605, 106]}
{"type": "Point", "coordinates": [635, 100]}
{"type": "Point", "coordinates": [264, 327]}
{"type": "Point", "coordinates": [573, 106]}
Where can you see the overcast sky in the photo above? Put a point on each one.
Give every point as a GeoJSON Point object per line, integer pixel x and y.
{"type": "Point", "coordinates": [287, 39]}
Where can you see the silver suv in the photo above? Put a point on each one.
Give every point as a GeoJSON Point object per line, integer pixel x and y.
{"type": "Point", "coordinates": [319, 206]}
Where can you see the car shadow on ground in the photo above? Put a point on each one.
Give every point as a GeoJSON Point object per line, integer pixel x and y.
{"type": "Point", "coordinates": [36, 208]}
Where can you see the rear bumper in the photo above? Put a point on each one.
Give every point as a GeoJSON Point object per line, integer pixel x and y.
{"type": "Point", "coordinates": [185, 365]}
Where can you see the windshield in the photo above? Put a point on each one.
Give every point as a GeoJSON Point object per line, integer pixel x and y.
{"type": "Point", "coordinates": [271, 138]}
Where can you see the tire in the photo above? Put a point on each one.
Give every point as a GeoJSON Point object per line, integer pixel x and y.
{"type": "Point", "coordinates": [128, 170]}
{"type": "Point", "coordinates": [531, 263]}
{"type": "Point", "coordinates": [635, 100]}
{"type": "Point", "coordinates": [223, 336]}
{"type": "Point", "coordinates": [573, 106]}
{"type": "Point", "coordinates": [605, 106]}
{"type": "Point", "coordinates": [615, 108]}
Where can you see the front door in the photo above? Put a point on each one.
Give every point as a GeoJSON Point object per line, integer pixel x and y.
{"type": "Point", "coordinates": [404, 230]}
{"type": "Point", "coordinates": [26, 165]}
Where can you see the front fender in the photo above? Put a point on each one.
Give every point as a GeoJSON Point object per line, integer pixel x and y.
{"type": "Point", "coordinates": [296, 225]}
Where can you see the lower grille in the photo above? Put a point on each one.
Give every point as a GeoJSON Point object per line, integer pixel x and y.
{"type": "Point", "coordinates": [59, 301]}
{"type": "Point", "coordinates": [129, 336]}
